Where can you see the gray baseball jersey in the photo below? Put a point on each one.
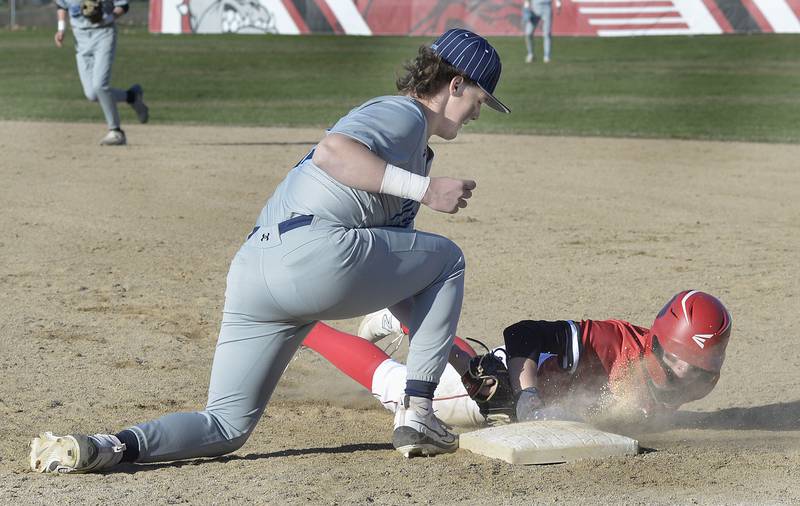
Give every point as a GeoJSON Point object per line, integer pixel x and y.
{"type": "Point", "coordinates": [321, 251]}
{"type": "Point", "coordinates": [78, 21]}
{"type": "Point", "coordinates": [392, 127]}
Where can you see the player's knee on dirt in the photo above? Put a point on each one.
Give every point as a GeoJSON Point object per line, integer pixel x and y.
{"type": "Point", "coordinates": [231, 445]}
{"type": "Point", "coordinates": [235, 428]}
{"type": "Point", "coordinates": [232, 441]}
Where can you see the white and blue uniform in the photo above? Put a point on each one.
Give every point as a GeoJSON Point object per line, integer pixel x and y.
{"type": "Point", "coordinates": [95, 48]}
{"type": "Point", "coordinates": [322, 250]}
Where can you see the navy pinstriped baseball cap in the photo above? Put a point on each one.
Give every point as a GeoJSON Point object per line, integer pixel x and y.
{"type": "Point", "coordinates": [475, 57]}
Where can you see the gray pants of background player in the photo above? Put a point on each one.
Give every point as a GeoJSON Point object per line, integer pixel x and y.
{"type": "Point", "coordinates": [276, 291]}
{"type": "Point", "coordinates": [541, 10]}
{"type": "Point", "coordinates": [95, 49]}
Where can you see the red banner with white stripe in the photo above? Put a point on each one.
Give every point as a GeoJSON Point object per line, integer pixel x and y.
{"type": "Point", "coordinates": [603, 18]}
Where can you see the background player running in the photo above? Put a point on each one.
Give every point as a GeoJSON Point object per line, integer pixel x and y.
{"type": "Point", "coordinates": [585, 368]}
{"type": "Point", "coordinates": [336, 240]}
{"type": "Point", "coordinates": [95, 48]}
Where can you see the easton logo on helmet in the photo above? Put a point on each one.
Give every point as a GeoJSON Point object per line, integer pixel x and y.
{"type": "Point", "coordinates": [700, 339]}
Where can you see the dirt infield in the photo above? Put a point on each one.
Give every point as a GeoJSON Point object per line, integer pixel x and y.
{"type": "Point", "coordinates": [112, 280]}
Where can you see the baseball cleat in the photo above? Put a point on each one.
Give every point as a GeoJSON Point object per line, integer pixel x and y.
{"type": "Point", "coordinates": [378, 325]}
{"type": "Point", "coordinates": [75, 453]}
{"type": "Point", "coordinates": [142, 111]}
{"type": "Point", "coordinates": [418, 433]}
{"type": "Point", "coordinates": [529, 58]}
{"type": "Point", "coordinates": [114, 138]}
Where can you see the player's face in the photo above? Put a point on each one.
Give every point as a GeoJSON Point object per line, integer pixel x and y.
{"type": "Point", "coordinates": [464, 106]}
{"type": "Point", "coordinates": [681, 371]}
{"type": "Point", "coordinates": [685, 382]}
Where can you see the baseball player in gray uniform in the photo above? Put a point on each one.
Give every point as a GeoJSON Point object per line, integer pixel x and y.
{"type": "Point", "coordinates": [534, 11]}
{"type": "Point", "coordinates": [336, 240]}
{"type": "Point", "coordinates": [95, 30]}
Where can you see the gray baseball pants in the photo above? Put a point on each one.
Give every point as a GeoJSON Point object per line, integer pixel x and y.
{"type": "Point", "coordinates": [541, 10]}
{"type": "Point", "coordinates": [95, 49]}
{"type": "Point", "coordinates": [278, 287]}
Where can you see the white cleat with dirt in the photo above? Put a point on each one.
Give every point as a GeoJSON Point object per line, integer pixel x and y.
{"type": "Point", "coordinates": [75, 453]}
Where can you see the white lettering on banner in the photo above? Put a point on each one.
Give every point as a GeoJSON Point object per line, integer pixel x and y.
{"type": "Point", "coordinates": [636, 21]}
{"type": "Point", "coordinates": [639, 9]}
{"type": "Point", "coordinates": [691, 13]}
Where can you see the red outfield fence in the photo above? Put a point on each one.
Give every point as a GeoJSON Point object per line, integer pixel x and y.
{"type": "Point", "coordinates": [603, 18]}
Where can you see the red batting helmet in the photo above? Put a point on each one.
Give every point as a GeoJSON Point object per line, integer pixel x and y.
{"type": "Point", "coordinates": [695, 327]}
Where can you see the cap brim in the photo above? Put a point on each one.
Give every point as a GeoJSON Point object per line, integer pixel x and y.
{"type": "Point", "coordinates": [494, 103]}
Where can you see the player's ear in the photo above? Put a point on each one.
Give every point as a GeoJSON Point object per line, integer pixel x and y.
{"type": "Point", "coordinates": [457, 85]}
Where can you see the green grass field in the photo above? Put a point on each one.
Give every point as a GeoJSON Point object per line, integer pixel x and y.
{"type": "Point", "coordinates": [715, 87]}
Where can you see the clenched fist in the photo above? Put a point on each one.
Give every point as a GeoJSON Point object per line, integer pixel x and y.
{"type": "Point", "coordinates": [448, 195]}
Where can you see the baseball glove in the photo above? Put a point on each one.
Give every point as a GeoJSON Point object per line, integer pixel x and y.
{"type": "Point", "coordinates": [92, 10]}
{"type": "Point", "coordinates": [487, 383]}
